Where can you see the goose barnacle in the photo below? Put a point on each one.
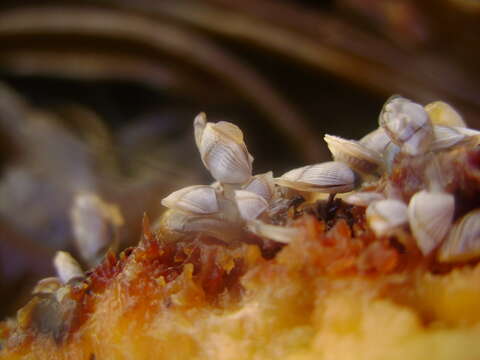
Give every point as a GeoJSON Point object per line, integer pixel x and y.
{"type": "Point", "coordinates": [223, 151]}
{"type": "Point", "coordinates": [407, 124]}
{"type": "Point", "coordinates": [196, 199]}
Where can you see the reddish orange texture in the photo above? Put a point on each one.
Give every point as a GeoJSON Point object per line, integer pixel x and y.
{"type": "Point", "coordinates": [340, 251]}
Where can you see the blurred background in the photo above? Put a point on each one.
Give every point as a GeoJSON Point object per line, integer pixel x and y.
{"type": "Point", "coordinates": [99, 96]}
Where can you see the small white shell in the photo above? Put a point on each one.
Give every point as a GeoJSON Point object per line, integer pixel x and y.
{"type": "Point", "coordinates": [407, 124]}
{"type": "Point", "coordinates": [430, 215]}
{"type": "Point", "coordinates": [376, 140]}
{"type": "Point", "coordinates": [385, 216]}
{"type": "Point", "coordinates": [463, 241]}
{"type": "Point", "coordinates": [363, 198]}
{"type": "Point", "coordinates": [446, 137]}
{"type": "Point", "coordinates": [273, 232]}
{"type": "Point", "coordinates": [223, 150]}
{"type": "Point", "coordinates": [354, 154]}
{"type": "Point", "coordinates": [443, 114]}
{"type": "Point", "coordinates": [250, 205]}
{"type": "Point", "coordinates": [95, 225]}
{"type": "Point", "coordinates": [197, 199]}
{"type": "Point", "coordinates": [67, 267]}
{"type": "Point", "coordinates": [328, 177]}
{"type": "Point", "coordinates": [261, 184]}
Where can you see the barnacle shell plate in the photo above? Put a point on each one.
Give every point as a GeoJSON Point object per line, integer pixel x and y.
{"type": "Point", "coordinates": [223, 151]}
{"type": "Point", "coordinates": [443, 114]}
{"type": "Point", "coordinates": [197, 199]}
{"type": "Point", "coordinates": [261, 184]}
{"type": "Point", "coordinates": [430, 215]}
{"type": "Point", "coordinates": [353, 153]}
{"type": "Point", "coordinates": [328, 177]}
{"type": "Point", "coordinates": [446, 137]}
{"type": "Point", "coordinates": [250, 205]}
{"type": "Point", "coordinates": [463, 241]}
{"type": "Point", "coordinates": [376, 140]}
{"type": "Point", "coordinates": [384, 216]}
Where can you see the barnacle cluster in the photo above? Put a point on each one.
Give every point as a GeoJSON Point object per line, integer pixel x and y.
{"type": "Point", "coordinates": [261, 267]}
{"type": "Point", "coordinates": [407, 133]}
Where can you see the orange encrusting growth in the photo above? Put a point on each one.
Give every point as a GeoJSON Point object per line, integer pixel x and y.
{"type": "Point", "coordinates": [335, 292]}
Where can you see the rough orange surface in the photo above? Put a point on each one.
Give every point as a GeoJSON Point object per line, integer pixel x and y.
{"type": "Point", "coordinates": [336, 292]}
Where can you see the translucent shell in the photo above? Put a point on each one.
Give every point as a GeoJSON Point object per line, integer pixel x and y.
{"type": "Point", "coordinates": [407, 124]}
{"type": "Point", "coordinates": [389, 155]}
{"type": "Point", "coordinates": [182, 222]}
{"type": "Point", "coordinates": [223, 150]}
{"type": "Point", "coordinates": [430, 216]}
{"type": "Point", "coordinates": [354, 154]}
{"type": "Point", "coordinates": [385, 216]}
{"type": "Point", "coordinates": [67, 267]}
{"type": "Point", "coordinates": [197, 199]}
{"type": "Point", "coordinates": [463, 241]}
{"type": "Point", "coordinates": [262, 185]}
{"type": "Point", "coordinates": [273, 232]}
{"type": "Point", "coordinates": [363, 198]}
{"type": "Point", "coordinates": [95, 224]}
{"type": "Point", "coordinates": [443, 114]}
{"type": "Point", "coordinates": [328, 177]}
{"type": "Point", "coordinates": [250, 205]}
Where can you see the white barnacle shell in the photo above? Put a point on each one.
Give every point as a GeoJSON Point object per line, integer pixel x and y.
{"type": "Point", "coordinates": [354, 154]}
{"type": "Point", "coordinates": [223, 150]}
{"type": "Point", "coordinates": [328, 177]}
{"type": "Point", "coordinates": [67, 267]}
{"type": "Point", "coordinates": [407, 124]}
{"type": "Point", "coordinates": [430, 216]}
{"type": "Point", "coordinates": [446, 137]}
{"type": "Point", "coordinates": [376, 140]}
{"type": "Point", "coordinates": [363, 198]}
{"type": "Point", "coordinates": [250, 205]}
{"type": "Point", "coordinates": [443, 114]}
{"type": "Point", "coordinates": [385, 216]}
{"type": "Point", "coordinates": [261, 184]}
{"type": "Point", "coordinates": [463, 241]}
{"type": "Point", "coordinates": [196, 199]}
{"type": "Point", "coordinates": [273, 232]}
{"type": "Point", "coordinates": [95, 226]}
